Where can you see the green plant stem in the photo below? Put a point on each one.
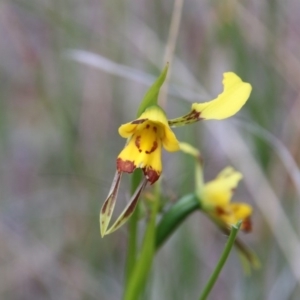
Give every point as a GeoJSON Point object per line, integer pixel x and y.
{"type": "Point", "coordinates": [143, 264]}
{"type": "Point", "coordinates": [175, 216]}
{"type": "Point", "coordinates": [213, 278]}
{"type": "Point", "coordinates": [132, 234]}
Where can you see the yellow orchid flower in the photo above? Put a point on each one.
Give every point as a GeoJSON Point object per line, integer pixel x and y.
{"type": "Point", "coordinates": [146, 136]}
{"type": "Point", "coordinates": [215, 200]}
{"type": "Point", "coordinates": [151, 131]}
{"type": "Point", "coordinates": [216, 196]}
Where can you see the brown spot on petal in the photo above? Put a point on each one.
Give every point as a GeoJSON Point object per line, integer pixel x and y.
{"type": "Point", "coordinates": [193, 115]}
{"type": "Point", "coordinates": [151, 175]}
{"type": "Point", "coordinates": [220, 211]}
{"type": "Point", "coordinates": [154, 147]}
{"type": "Point", "coordinates": [154, 129]}
{"type": "Point", "coordinates": [147, 127]}
{"type": "Point", "coordinates": [139, 121]}
{"type": "Point", "coordinates": [138, 142]}
{"type": "Point", "coordinates": [125, 166]}
{"type": "Point", "coordinates": [247, 225]}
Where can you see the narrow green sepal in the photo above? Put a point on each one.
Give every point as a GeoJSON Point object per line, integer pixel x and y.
{"type": "Point", "coordinates": [129, 209]}
{"type": "Point", "coordinates": [151, 95]}
{"type": "Point", "coordinates": [109, 204]}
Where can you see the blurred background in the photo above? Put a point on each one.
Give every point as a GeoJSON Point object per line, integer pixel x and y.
{"type": "Point", "coordinates": [72, 71]}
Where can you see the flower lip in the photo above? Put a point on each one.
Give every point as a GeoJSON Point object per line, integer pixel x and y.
{"type": "Point", "coordinates": [139, 121]}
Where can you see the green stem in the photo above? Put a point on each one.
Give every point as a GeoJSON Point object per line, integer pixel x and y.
{"type": "Point", "coordinates": [143, 264]}
{"type": "Point", "coordinates": [213, 278]}
{"type": "Point", "coordinates": [132, 234]}
{"type": "Point", "coordinates": [175, 216]}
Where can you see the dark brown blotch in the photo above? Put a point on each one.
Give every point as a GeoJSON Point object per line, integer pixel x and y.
{"type": "Point", "coordinates": [138, 142]}
{"type": "Point", "coordinates": [151, 175]}
{"type": "Point", "coordinates": [139, 121]}
{"type": "Point", "coordinates": [154, 147]}
{"type": "Point", "coordinates": [125, 166]}
{"type": "Point", "coordinates": [247, 225]}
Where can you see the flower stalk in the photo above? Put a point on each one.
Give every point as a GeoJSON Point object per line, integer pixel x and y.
{"type": "Point", "coordinates": [140, 271]}
{"type": "Point", "coordinates": [214, 276]}
{"type": "Point", "coordinates": [133, 228]}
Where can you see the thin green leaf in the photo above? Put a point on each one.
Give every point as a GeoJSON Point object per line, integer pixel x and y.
{"type": "Point", "coordinates": [151, 95]}
{"type": "Point", "coordinates": [184, 207]}
{"type": "Point", "coordinates": [175, 216]}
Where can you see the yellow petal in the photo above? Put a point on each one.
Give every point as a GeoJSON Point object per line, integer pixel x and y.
{"type": "Point", "coordinates": [218, 192]}
{"type": "Point", "coordinates": [126, 130]}
{"type": "Point", "coordinates": [235, 94]}
{"type": "Point", "coordinates": [234, 212]}
{"type": "Point", "coordinates": [156, 116]}
{"type": "Point", "coordinates": [152, 113]}
{"type": "Point", "coordinates": [169, 140]}
{"type": "Point", "coordinates": [241, 211]}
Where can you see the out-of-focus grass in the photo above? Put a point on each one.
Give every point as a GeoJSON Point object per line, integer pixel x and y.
{"type": "Point", "coordinates": [58, 143]}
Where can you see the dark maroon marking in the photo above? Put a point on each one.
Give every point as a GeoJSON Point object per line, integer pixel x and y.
{"type": "Point", "coordinates": [151, 174]}
{"type": "Point", "coordinates": [154, 129]}
{"type": "Point", "coordinates": [247, 225]}
{"type": "Point", "coordinates": [113, 194]}
{"type": "Point", "coordinates": [138, 142]}
{"type": "Point", "coordinates": [154, 147]}
{"type": "Point", "coordinates": [193, 116]}
{"type": "Point", "coordinates": [104, 206]}
{"type": "Point", "coordinates": [147, 127]}
{"type": "Point", "coordinates": [125, 166]}
{"type": "Point", "coordinates": [139, 121]}
{"type": "Point", "coordinates": [132, 206]}
{"type": "Point", "coordinates": [220, 211]}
